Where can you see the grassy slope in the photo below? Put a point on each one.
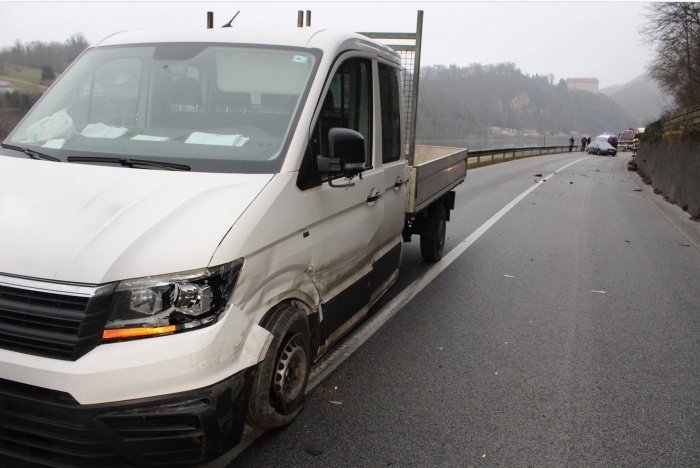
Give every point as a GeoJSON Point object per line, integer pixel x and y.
{"type": "Point", "coordinates": [25, 79]}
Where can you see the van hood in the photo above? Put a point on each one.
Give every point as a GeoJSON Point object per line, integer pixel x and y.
{"type": "Point", "coordinates": [94, 224]}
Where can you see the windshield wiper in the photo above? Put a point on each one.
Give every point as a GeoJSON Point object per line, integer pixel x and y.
{"type": "Point", "coordinates": [126, 162]}
{"type": "Point", "coordinates": [31, 153]}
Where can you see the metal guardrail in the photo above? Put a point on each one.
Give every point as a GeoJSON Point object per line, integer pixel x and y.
{"type": "Point", "coordinates": [513, 153]}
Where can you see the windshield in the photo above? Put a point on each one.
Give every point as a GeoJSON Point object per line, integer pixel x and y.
{"type": "Point", "coordinates": [627, 136]}
{"type": "Point", "coordinates": [213, 107]}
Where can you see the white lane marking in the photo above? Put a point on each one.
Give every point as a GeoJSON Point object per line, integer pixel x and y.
{"type": "Point", "coordinates": [370, 326]}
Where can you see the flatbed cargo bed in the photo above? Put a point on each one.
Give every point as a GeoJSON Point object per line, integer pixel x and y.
{"type": "Point", "coordinates": [436, 171]}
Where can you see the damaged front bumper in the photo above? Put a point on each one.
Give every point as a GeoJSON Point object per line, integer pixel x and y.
{"type": "Point", "coordinates": [51, 428]}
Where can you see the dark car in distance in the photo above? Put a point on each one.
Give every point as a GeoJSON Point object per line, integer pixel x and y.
{"type": "Point", "coordinates": [601, 145]}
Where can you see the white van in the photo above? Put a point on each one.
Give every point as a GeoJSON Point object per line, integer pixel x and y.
{"type": "Point", "coordinates": [188, 221]}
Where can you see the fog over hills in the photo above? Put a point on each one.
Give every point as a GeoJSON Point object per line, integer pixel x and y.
{"type": "Point", "coordinates": [641, 97]}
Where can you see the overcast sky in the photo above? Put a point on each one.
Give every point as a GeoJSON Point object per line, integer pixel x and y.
{"type": "Point", "coordinates": [569, 39]}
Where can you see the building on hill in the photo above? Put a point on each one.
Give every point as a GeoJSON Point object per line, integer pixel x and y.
{"type": "Point", "coordinates": [584, 84]}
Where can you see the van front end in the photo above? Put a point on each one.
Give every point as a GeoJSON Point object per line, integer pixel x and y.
{"type": "Point", "coordinates": [71, 397]}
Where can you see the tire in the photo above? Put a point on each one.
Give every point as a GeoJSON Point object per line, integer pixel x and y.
{"type": "Point", "coordinates": [277, 396]}
{"type": "Point", "coordinates": [433, 243]}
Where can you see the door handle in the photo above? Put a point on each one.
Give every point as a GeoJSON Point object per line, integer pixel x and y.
{"type": "Point", "coordinates": [373, 198]}
{"type": "Point", "coordinates": [399, 182]}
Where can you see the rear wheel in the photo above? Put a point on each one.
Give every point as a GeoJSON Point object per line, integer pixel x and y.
{"type": "Point", "coordinates": [433, 243]}
{"type": "Point", "coordinates": [280, 380]}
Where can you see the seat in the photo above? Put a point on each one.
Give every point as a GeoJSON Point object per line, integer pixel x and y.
{"type": "Point", "coordinates": [185, 104]}
{"type": "Point", "coordinates": [232, 102]}
{"type": "Point", "coordinates": [185, 95]}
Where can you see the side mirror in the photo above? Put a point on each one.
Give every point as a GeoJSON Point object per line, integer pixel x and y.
{"type": "Point", "coordinates": [346, 153]}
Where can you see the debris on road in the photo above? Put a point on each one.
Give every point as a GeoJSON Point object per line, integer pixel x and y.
{"type": "Point", "coordinates": [314, 448]}
{"type": "Point", "coordinates": [326, 390]}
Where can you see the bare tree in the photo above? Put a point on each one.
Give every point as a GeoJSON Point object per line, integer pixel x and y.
{"type": "Point", "coordinates": [74, 46]}
{"type": "Point", "coordinates": [674, 29]}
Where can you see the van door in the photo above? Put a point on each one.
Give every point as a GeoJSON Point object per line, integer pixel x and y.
{"type": "Point", "coordinates": [387, 261]}
{"type": "Point", "coordinates": [348, 218]}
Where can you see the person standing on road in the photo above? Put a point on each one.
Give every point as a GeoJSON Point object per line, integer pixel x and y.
{"type": "Point", "coordinates": [584, 140]}
{"type": "Point", "coordinates": [571, 144]}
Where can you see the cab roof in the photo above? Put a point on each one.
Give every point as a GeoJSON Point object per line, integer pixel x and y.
{"type": "Point", "coordinates": [328, 40]}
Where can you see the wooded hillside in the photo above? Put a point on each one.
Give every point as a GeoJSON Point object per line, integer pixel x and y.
{"type": "Point", "coordinates": [468, 100]}
{"type": "Point", "coordinates": [36, 54]}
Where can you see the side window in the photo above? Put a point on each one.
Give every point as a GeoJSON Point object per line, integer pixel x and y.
{"type": "Point", "coordinates": [391, 114]}
{"type": "Point", "coordinates": [348, 103]}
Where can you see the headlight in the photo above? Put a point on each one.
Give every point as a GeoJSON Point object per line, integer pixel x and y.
{"type": "Point", "coordinates": [168, 304]}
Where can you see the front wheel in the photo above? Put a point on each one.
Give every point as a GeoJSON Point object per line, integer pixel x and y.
{"type": "Point", "coordinates": [277, 396]}
{"type": "Point", "coordinates": [433, 243]}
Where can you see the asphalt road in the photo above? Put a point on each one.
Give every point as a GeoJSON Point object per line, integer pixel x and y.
{"type": "Point", "coordinates": [564, 332]}
{"type": "Point", "coordinates": [561, 329]}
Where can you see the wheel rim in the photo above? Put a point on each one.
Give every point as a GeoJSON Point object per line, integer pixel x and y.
{"type": "Point", "coordinates": [291, 370]}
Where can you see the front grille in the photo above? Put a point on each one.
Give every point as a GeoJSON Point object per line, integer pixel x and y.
{"type": "Point", "coordinates": [51, 428]}
{"type": "Point", "coordinates": [58, 325]}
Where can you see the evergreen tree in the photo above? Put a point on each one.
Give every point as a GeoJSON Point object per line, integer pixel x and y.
{"type": "Point", "coordinates": [47, 73]}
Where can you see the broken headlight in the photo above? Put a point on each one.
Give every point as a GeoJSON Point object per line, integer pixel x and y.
{"type": "Point", "coordinates": [167, 304]}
